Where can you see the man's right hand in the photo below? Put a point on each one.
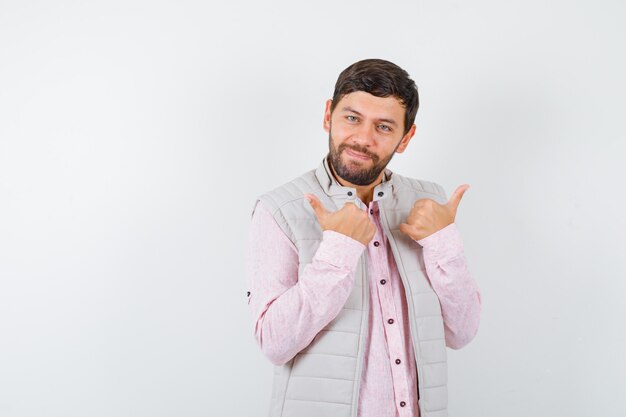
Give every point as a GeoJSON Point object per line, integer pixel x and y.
{"type": "Point", "coordinates": [350, 220]}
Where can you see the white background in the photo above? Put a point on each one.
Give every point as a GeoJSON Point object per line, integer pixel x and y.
{"type": "Point", "coordinates": [135, 136]}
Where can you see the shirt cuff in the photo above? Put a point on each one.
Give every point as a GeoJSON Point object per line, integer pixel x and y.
{"type": "Point", "coordinates": [339, 250]}
{"type": "Point", "coordinates": [446, 243]}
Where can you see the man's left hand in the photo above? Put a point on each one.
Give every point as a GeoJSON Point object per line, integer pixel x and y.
{"type": "Point", "coordinates": [427, 216]}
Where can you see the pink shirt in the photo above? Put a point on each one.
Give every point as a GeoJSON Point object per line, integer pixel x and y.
{"type": "Point", "coordinates": [289, 310]}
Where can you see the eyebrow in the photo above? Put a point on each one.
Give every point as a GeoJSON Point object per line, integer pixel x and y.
{"type": "Point", "coordinates": [350, 109]}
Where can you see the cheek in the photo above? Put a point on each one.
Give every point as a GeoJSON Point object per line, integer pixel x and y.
{"type": "Point", "coordinates": [340, 131]}
{"type": "Point", "coordinates": [339, 137]}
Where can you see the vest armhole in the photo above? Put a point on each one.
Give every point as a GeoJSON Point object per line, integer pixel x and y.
{"type": "Point", "coordinates": [278, 217]}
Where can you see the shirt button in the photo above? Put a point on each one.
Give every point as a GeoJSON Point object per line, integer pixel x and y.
{"type": "Point", "coordinates": [398, 361]}
{"type": "Point", "coordinates": [390, 321]}
{"type": "Point", "coordinates": [376, 243]}
{"type": "Point", "coordinates": [383, 281]}
{"type": "Point", "coordinates": [402, 403]}
{"type": "Point", "coordinates": [350, 193]}
{"type": "Point", "coordinates": [380, 193]}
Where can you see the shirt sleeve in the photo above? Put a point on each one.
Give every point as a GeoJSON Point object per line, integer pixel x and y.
{"type": "Point", "coordinates": [289, 308]}
{"type": "Point", "coordinates": [449, 276]}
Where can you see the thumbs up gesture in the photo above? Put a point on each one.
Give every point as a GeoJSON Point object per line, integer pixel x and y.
{"type": "Point", "coordinates": [350, 220]}
{"type": "Point", "coordinates": [427, 216]}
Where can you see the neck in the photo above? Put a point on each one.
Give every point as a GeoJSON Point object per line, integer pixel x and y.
{"type": "Point", "coordinates": [364, 192]}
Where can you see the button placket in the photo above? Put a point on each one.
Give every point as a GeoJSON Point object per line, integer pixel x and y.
{"type": "Point", "coordinates": [393, 338]}
{"type": "Point", "coordinates": [384, 291]}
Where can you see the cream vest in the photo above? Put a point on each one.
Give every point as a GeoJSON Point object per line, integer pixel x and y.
{"type": "Point", "coordinates": [323, 379]}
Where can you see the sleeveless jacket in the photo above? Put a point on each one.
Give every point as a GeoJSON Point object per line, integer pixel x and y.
{"type": "Point", "coordinates": [323, 379]}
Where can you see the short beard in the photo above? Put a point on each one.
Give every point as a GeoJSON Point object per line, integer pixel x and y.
{"type": "Point", "coordinates": [353, 173]}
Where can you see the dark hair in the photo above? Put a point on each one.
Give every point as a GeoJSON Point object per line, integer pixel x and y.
{"type": "Point", "coordinates": [380, 78]}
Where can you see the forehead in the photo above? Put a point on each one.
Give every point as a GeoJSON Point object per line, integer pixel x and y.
{"type": "Point", "coordinates": [370, 105]}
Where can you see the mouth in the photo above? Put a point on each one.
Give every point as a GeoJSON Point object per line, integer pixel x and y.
{"type": "Point", "coordinates": [357, 155]}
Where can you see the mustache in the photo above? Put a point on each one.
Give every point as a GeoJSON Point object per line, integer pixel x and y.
{"type": "Point", "coordinates": [359, 149]}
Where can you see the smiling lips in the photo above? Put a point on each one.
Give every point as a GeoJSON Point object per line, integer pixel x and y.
{"type": "Point", "coordinates": [357, 155]}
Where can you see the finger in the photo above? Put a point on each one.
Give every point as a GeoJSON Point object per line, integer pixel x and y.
{"type": "Point", "coordinates": [349, 204]}
{"type": "Point", "coordinates": [318, 207]}
{"type": "Point", "coordinates": [405, 228]}
{"type": "Point", "coordinates": [455, 199]}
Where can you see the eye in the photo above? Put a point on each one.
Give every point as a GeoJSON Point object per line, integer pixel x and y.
{"type": "Point", "coordinates": [384, 128]}
{"type": "Point", "coordinates": [352, 118]}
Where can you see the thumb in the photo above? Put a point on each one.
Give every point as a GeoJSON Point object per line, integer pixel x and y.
{"type": "Point", "coordinates": [456, 196]}
{"type": "Point", "coordinates": [318, 207]}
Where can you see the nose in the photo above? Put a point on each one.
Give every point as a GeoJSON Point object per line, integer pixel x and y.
{"type": "Point", "coordinates": [365, 134]}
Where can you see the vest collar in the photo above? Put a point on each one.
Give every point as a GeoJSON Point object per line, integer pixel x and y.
{"type": "Point", "coordinates": [339, 193]}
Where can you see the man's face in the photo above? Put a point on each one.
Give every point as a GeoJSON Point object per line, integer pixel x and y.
{"type": "Point", "coordinates": [364, 132]}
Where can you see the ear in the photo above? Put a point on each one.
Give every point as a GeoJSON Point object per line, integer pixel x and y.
{"type": "Point", "coordinates": [405, 140]}
{"type": "Point", "coordinates": [329, 102]}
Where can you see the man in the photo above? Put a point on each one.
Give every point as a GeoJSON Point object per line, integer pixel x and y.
{"type": "Point", "coordinates": [357, 276]}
